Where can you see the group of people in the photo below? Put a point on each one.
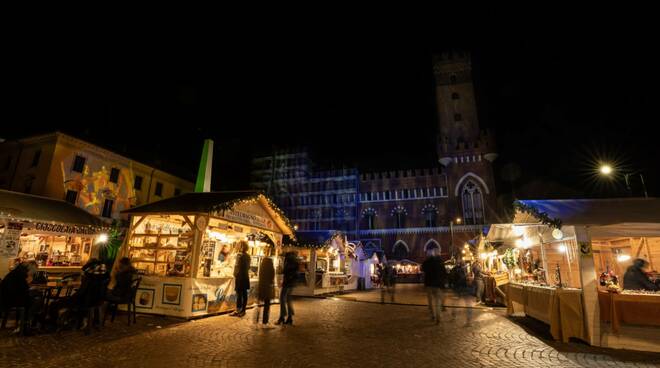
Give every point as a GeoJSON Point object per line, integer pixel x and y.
{"type": "Point", "coordinates": [436, 278]}
{"type": "Point", "coordinates": [20, 290]}
{"type": "Point", "coordinates": [266, 286]}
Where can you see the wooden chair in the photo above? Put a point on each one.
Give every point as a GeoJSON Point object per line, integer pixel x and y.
{"type": "Point", "coordinates": [129, 300]}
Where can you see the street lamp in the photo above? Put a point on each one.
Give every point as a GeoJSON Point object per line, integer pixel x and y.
{"type": "Point", "coordinates": [607, 170]}
{"type": "Point", "coordinates": [451, 232]}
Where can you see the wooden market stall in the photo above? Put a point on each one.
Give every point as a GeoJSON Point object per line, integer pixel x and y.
{"type": "Point", "coordinates": [185, 247]}
{"type": "Point", "coordinates": [328, 262]}
{"type": "Point", "coordinates": [595, 242]}
{"type": "Point", "coordinates": [59, 236]}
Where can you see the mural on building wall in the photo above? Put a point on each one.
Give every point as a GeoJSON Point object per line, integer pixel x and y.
{"type": "Point", "coordinates": [94, 187]}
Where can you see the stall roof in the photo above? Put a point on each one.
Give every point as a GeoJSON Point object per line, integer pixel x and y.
{"type": "Point", "coordinates": [313, 239]}
{"type": "Point", "coordinates": [207, 202]}
{"type": "Point", "coordinates": [599, 212]}
{"type": "Point", "coordinates": [31, 207]}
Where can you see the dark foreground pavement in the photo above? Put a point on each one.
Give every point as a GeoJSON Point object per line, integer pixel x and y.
{"type": "Point", "coordinates": [338, 332]}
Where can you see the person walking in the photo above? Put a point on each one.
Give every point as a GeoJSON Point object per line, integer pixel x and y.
{"type": "Point", "coordinates": [388, 283]}
{"type": "Point", "coordinates": [241, 279]}
{"type": "Point", "coordinates": [265, 291]}
{"type": "Point", "coordinates": [290, 272]}
{"type": "Point", "coordinates": [434, 280]}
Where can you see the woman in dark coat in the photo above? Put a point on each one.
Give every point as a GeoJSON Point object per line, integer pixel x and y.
{"type": "Point", "coordinates": [241, 279]}
{"type": "Point", "coordinates": [290, 272]}
{"type": "Point", "coordinates": [266, 283]}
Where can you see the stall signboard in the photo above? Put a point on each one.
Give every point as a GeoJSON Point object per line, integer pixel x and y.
{"type": "Point", "coordinates": [64, 229]}
{"type": "Point", "coordinates": [11, 239]}
{"type": "Point", "coordinates": [252, 215]}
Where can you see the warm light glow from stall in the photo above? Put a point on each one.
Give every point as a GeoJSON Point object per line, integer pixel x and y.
{"type": "Point", "coordinates": [518, 230]}
{"type": "Point", "coordinates": [483, 255]}
{"type": "Point", "coordinates": [102, 238]}
{"type": "Point", "coordinates": [562, 248]}
{"type": "Point", "coordinates": [622, 258]}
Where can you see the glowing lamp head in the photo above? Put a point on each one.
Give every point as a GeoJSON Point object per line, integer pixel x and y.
{"type": "Point", "coordinates": [518, 230]}
{"type": "Point", "coordinates": [458, 220]}
{"type": "Point", "coordinates": [295, 227]}
{"type": "Point", "coordinates": [622, 257]}
{"type": "Point", "coordinates": [557, 234]}
{"type": "Point", "coordinates": [562, 248]}
{"type": "Point", "coordinates": [102, 238]}
{"type": "Point", "coordinates": [606, 169]}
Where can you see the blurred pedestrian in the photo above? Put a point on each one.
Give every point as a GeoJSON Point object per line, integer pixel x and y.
{"type": "Point", "coordinates": [290, 273]}
{"type": "Point", "coordinates": [265, 291]}
{"type": "Point", "coordinates": [435, 276]}
{"type": "Point", "coordinates": [478, 282]}
{"type": "Point", "coordinates": [241, 279]}
{"type": "Point", "coordinates": [388, 282]}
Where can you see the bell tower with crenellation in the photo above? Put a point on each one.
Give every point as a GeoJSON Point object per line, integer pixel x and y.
{"type": "Point", "coordinates": [464, 149]}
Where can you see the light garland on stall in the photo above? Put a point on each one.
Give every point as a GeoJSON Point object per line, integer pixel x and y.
{"type": "Point", "coordinates": [226, 206]}
{"type": "Point", "coordinates": [541, 216]}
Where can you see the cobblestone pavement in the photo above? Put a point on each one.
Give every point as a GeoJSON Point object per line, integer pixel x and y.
{"type": "Point", "coordinates": [327, 333]}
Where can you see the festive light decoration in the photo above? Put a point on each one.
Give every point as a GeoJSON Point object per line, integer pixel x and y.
{"type": "Point", "coordinates": [253, 199]}
{"type": "Point", "coordinates": [311, 244]}
{"type": "Point", "coordinates": [541, 216]}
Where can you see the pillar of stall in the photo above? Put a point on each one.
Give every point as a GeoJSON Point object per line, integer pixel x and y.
{"type": "Point", "coordinates": [589, 284]}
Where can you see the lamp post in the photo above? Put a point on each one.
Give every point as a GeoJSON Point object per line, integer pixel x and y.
{"type": "Point", "coordinates": [451, 232]}
{"type": "Point", "coordinates": [607, 170]}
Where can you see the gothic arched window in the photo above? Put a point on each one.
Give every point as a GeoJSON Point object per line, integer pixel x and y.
{"type": "Point", "coordinates": [430, 215]}
{"type": "Point", "coordinates": [369, 215]}
{"type": "Point", "coordinates": [473, 209]}
{"type": "Point", "coordinates": [399, 213]}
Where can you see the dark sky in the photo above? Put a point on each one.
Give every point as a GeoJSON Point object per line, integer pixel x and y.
{"type": "Point", "coordinates": [558, 103]}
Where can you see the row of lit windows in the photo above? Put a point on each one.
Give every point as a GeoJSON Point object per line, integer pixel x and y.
{"type": "Point", "coordinates": [404, 194]}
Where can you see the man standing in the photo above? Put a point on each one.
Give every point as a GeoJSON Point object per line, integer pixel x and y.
{"type": "Point", "coordinates": [434, 281]}
{"type": "Point", "coordinates": [241, 279]}
{"type": "Point", "coordinates": [478, 282]}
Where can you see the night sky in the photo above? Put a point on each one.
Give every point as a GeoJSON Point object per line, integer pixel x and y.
{"type": "Point", "coordinates": [557, 104]}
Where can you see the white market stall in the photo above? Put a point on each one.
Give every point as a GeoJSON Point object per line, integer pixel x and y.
{"type": "Point", "coordinates": [328, 263]}
{"type": "Point", "coordinates": [185, 247]}
{"type": "Point", "coordinates": [59, 236]}
{"type": "Point", "coordinates": [570, 258]}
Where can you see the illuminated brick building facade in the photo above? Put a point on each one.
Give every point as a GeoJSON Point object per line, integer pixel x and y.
{"type": "Point", "coordinates": [406, 211]}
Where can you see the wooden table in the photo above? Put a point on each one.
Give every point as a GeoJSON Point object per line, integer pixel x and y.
{"type": "Point", "coordinates": [632, 309]}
